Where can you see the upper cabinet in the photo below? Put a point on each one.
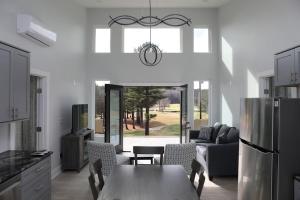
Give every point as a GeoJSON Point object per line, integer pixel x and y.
{"type": "Point", "coordinates": [287, 67]}
{"type": "Point", "coordinates": [6, 55]}
{"type": "Point", "coordinates": [20, 80]}
{"type": "Point", "coordinates": [14, 83]}
{"type": "Point", "coordinates": [297, 65]}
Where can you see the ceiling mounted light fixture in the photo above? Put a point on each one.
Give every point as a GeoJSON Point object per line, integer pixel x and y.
{"type": "Point", "coordinates": [149, 53]}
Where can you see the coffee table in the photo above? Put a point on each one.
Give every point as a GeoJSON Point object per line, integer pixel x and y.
{"type": "Point", "coordinates": [139, 157]}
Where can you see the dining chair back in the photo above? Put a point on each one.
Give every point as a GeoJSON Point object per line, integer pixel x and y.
{"type": "Point", "coordinates": [148, 150]}
{"type": "Point", "coordinates": [197, 168]}
{"type": "Point", "coordinates": [180, 154]}
{"type": "Point", "coordinates": [96, 168]}
{"type": "Point", "coordinates": [107, 153]}
{"type": "Point", "coordinates": [104, 151]}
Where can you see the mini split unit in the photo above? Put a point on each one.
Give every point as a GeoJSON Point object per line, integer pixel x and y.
{"type": "Point", "coordinates": [32, 29]}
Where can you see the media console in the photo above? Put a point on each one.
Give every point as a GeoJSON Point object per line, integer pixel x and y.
{"type": "Point", "coordinates": [74, 150]}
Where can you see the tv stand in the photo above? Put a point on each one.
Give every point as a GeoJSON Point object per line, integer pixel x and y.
{"type": "Point", "coordinates": [74, 149]}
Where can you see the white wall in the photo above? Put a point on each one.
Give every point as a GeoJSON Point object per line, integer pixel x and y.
{"type": "Point", "coordinates": [174, 68]}
{"type": "Point", "coordinates": [251, 32]}
{"type": "Point", "coordinates": [65, 61]}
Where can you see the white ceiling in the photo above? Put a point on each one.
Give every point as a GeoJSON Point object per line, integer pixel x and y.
{"type": "Point", "coordinates": [155, 3]}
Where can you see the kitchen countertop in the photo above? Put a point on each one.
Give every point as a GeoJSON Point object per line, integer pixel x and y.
{"type": "Point", "coordinates": [13, 162]}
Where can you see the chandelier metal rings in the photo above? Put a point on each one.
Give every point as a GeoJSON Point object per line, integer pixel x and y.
{"type": "Point", "coordinates": [150, 54]}
{"type": "Point", "coordinates": [174, 20]}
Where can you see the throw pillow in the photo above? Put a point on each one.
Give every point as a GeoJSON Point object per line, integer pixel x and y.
{"type": "Point", "coordinates": [222, 134]}
{"type": "Point", "coordinates": [221, 139]}
{"type": "Point", "coordinates": [205, 133]}
{"type": "Point", "coordinates": [216, 129]}
{"type": "Point", "coordinates": [233, 135]}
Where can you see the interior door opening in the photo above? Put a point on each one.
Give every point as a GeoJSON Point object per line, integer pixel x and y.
{"type": "Point", "coordinates": [152, 115]}
{"type": "Point", "coordinates": [32, 135]}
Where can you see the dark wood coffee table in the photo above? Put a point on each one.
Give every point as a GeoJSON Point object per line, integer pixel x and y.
{"type": "Point", "coordinates": [139, 157]}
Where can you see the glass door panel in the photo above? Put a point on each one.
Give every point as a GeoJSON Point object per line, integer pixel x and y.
{"type": "Point", "coordinates": [114, 116]}
{"type": "Point", "coordinates": [184, 124]}
{"type": "Point", "coordinates": [100, 107]}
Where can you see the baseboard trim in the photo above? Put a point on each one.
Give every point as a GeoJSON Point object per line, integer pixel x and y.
{"type": "Point", "coordinates": [56, 171]}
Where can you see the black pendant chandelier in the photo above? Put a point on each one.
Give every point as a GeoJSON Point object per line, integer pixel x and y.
{"type": "Point", "coordinates": [149, 53]}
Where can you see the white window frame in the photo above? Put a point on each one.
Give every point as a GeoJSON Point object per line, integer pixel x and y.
{"type": "Point", "coordinates": [209, 101]}
{"type": "Point", "coordinates": [209, 39]}
{"type": "Point", "coordinates": [180, 43]}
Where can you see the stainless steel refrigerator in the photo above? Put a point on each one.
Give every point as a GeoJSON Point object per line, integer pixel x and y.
{"type": "Point", "coordinates": [269, 155]}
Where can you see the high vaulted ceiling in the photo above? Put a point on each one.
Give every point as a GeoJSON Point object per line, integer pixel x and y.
{"type": "Point", "coordinates": [155, 3]}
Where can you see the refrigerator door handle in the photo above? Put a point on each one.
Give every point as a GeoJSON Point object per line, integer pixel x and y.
{"type": "Point", "coordinates": [257, 148]}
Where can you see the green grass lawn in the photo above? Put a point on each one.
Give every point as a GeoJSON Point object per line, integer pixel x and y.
{"type": "Point", "coordinates": [173, 108]}
{"type": "Point", "coordinates": [169, 130]}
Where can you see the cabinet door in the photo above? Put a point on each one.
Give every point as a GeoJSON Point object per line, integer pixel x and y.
{"type": "Point", "coordinates": [284, 68]}
{"type": "Point", "coordinates": [20, 85]}
{"type": "Point", "coordinates": [5, 66]}
{"type": "Point", "coordinates": [297, 65]}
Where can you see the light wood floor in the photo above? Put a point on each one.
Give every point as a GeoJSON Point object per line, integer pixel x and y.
{"type": "Point", "coordinates": [75, 186]}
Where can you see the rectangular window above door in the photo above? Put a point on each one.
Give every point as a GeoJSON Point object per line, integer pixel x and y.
{"type": "Point", "coordinates": [167, 39]}
{"type": "Point", "coordinates": [102, 40]}
{"type": "Point", "coordinates": [201, 40]}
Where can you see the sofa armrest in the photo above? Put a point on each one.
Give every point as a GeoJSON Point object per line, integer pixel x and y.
{"type": "Point", "coordinates": [194, 134]}
{"type": "Point", "coordinates": [222, 159]}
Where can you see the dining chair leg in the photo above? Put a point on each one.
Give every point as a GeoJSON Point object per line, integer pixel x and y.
{"type": "Point", "coordinates": [135, 159]}
{"type": "Point", "coordinates": [201, 184]}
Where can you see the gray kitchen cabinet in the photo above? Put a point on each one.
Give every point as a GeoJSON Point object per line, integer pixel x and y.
{"type": "Point", "coordinates": [5, 66]}
{"type": "Point", "coordinates": [297, 65]}
{"type": "Point", "coordinates": [20, 85]}
{"type": "Point", "coordinates": [14, 83]}
{"type": "Point", "coordinates": [36, 181]}
{"type": "Point", "coordinates": [285, 68]}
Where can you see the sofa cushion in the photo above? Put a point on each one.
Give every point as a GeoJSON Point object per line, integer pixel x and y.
{"type": "Point", "coordinates": [216, 129]}
{"type": "Point", "coordinates": [233, 135]}
{"type": "Point", "coordinates": [205, 133]}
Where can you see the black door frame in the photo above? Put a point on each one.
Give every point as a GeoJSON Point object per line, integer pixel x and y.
{"type": "Point", "coordinates": [183, 128]}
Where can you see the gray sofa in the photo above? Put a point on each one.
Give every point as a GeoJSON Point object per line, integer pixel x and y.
{"type": "Point", "coordinates": [217, 149]}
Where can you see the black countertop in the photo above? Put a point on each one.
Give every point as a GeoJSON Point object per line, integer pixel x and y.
{"type": "Point", "coordinates": [12, 163]}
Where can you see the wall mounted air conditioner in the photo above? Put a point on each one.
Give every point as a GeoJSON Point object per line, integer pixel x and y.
{"type": "Point", "coordinates": [32, 29]}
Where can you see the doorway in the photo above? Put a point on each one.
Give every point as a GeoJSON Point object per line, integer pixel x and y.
{"type": "Point", "coordinates": [33, 130]}
{"type": "Point", "coordinates": [152, 115]}
{"type": "Point", "coordinates": [141, 115]}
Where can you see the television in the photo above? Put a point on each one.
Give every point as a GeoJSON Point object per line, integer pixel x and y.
{"type": "Point", "coordinates": [79, 118]}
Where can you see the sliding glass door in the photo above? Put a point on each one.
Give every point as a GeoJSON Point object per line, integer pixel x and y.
{"type": "Point", "coordinates": [114, 116]}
